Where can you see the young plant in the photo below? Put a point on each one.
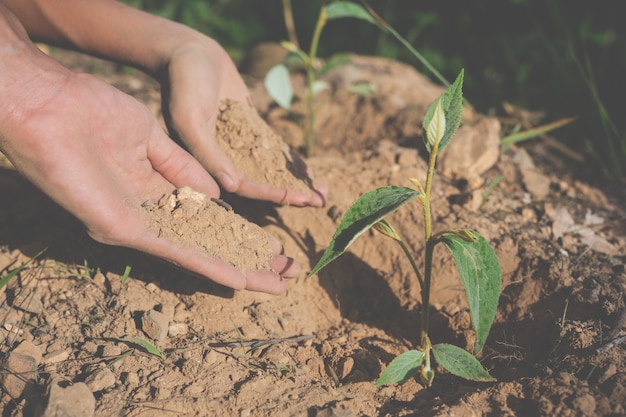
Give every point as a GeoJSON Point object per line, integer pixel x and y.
{"type": "Point", "coordinates": [475, 259]}
{"type": "Point", "coordinates": [277, 80]}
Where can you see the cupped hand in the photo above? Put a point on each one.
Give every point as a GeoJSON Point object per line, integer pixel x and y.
{"type": "Point", "coordinates": [198, 76]}
{"type": "Point", "coordinates": [99, 153]}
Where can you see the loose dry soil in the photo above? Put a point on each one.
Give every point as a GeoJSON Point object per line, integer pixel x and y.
{"type": "Point", "coordinates": [554, 347]}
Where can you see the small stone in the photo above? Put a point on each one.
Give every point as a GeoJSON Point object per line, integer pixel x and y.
{"type": "Point", "coordinates": [132, 378]}
{"type": "Point", "coordinates": [28, 348]}
{"type": "Point", "coordinates": [28, 301]}
{"type": "Point", "coordinates": [177, 329]}
{"type": "Point", "coordinates": [537, 184]}
{"type": "Point", "coordinates": [154, 325]}
{"type": "Point", "coordinates": [56, 356]}
{"type": "Point", "coordinates": [19, 372]}
{"type": "Point", "coordinates": [72, 401]}
{"type": "Point", "coordinates": [100, 380]}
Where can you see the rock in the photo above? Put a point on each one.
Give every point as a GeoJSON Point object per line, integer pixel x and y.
{"type": "Point", "coordinates": [19, 372]}
{"type": "Point", "coordinates": [100, 380]}
{"type": "Point", "coordinates": [72, 401]}
{"type": "Point", "coordinates": [29, 301]}
{"type": "Point", "coordinates": [177, 329]}
{"type": "Point", "coordinates": [28, 348]}
{"type": "Point", "coordinates": [537, 184]}
{"type": "Point", "coordinates": [132, 378]}
{"type": "Point", "coordinates": [563, 223]}
{"type": "Point", "coordinates": [56, 356]}
{"type": "Point", "coordinates": [474, 149]}
{"type": "Point", "coordinates": [154, 325]}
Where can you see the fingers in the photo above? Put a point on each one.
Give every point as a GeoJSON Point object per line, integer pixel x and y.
{"type": "Point", "coordinates": [179, 167]}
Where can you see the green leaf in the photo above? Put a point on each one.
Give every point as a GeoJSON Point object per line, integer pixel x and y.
{"type": "Point", "coordinates": [452, 105]}
{"type": "Point", "coordinates": [143, 343]}
{"type": "Point", "coordinates": [370, 208]}
{"type": "Point", "coordinates": [341, 9]}
{"type": "Point", "coordinates": [536, 131]}
{"type": "Point", "coordinates": [480, 272]}
{"type": "Point", "coordinates": [460, 363]}
{"type": "Point", "coordinates": [278, 85]}
{"type": "Point", "coordinates": [401, 368]}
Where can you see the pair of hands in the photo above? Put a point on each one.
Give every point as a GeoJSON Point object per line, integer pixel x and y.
{"type": "Point", "coordinates": [99, 153]}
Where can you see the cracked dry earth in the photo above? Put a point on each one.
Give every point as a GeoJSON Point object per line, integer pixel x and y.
{"type": "Point", "coordinates": [75, 320]}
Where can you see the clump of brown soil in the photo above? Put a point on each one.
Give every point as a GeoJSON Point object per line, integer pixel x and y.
{"type": "Point", "coordinates": [256, 150]}
{"type": "Point", "coordinates": [189, 217]}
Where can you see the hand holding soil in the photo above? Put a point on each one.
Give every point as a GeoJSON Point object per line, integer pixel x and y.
{"type": "Point", "coordinates": [204, 93]}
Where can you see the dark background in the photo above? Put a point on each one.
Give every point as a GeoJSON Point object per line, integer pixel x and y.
{"type": "Point", "coordinates": [564, 57]}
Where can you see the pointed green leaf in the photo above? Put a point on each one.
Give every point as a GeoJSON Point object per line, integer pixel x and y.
{"type": "Point", "coordinates": [363, 214]}
{"type": "Point", "coordinates": [480, 272]}
{"type": "Point", "coordinates": [460, 363]}
{"type": "Point", "coordinates": [341, 9]}
{"type": "Point", "coordinates": [143, 343]}
{"type": "Point", "coordinates": [401, 368]}
{"type": "Point", "coordinates": [452, 105]}
{"type": "Point", "coordinates": [278, 85]}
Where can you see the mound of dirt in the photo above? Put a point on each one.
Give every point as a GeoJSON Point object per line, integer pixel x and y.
{"type": "Point", "coordinates": [189, 217]}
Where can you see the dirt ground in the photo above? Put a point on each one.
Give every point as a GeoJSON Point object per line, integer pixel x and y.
{"type": "Point", "coordinates": [556, 347]}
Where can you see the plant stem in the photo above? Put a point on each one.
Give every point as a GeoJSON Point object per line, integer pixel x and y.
{"type": "Point", "coordinates": [430, 244]}
{"type": "Point", "coordinates": [289, 22]}
{"type": "Point", "coordinates": [428, 266]}
{"type": "Point", "coordinates": [310, 72]}
{"type": "Point", "coordinates": [413, 264]}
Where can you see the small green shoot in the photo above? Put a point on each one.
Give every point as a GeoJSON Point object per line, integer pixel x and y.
{"type": "Point", "coordinates": [534, 132]}
{"type": "Point", "coordinates": [126, 274]}
{"type": "Point", "coordinates": [147, 346]}
{"type": "Point", "coordinates": [476, 261]}
{"type": "Point", "coordinates": [13, 273]}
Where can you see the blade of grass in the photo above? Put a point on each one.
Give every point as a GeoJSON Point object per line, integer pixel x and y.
{"type": "Point", "coordinates": [534, 132]}
{"type": "Point", "coordinates": [4, 281]}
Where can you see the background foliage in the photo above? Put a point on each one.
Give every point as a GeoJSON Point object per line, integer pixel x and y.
{"type": "Point", "coordinates": [565, 57]}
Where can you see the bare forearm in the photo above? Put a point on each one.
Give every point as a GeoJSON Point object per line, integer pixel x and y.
{"type": "Point", "coordinates": [105, 28]}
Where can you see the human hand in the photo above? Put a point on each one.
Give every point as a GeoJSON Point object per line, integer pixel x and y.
{"type": "Point", "coordinates": [198, 76]}
{"type": "Point", "coordinates": [99, 153]}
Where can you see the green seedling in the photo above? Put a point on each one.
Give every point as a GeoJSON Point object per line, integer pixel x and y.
{"type": "Point", "coordinates": [126, 274]}
{"type": "Point", "coordinates": [277, 81]}
{"type": "Point", "coordinates": [147, 346]}
{"type": "Point", "coordinates": [475, 259]}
